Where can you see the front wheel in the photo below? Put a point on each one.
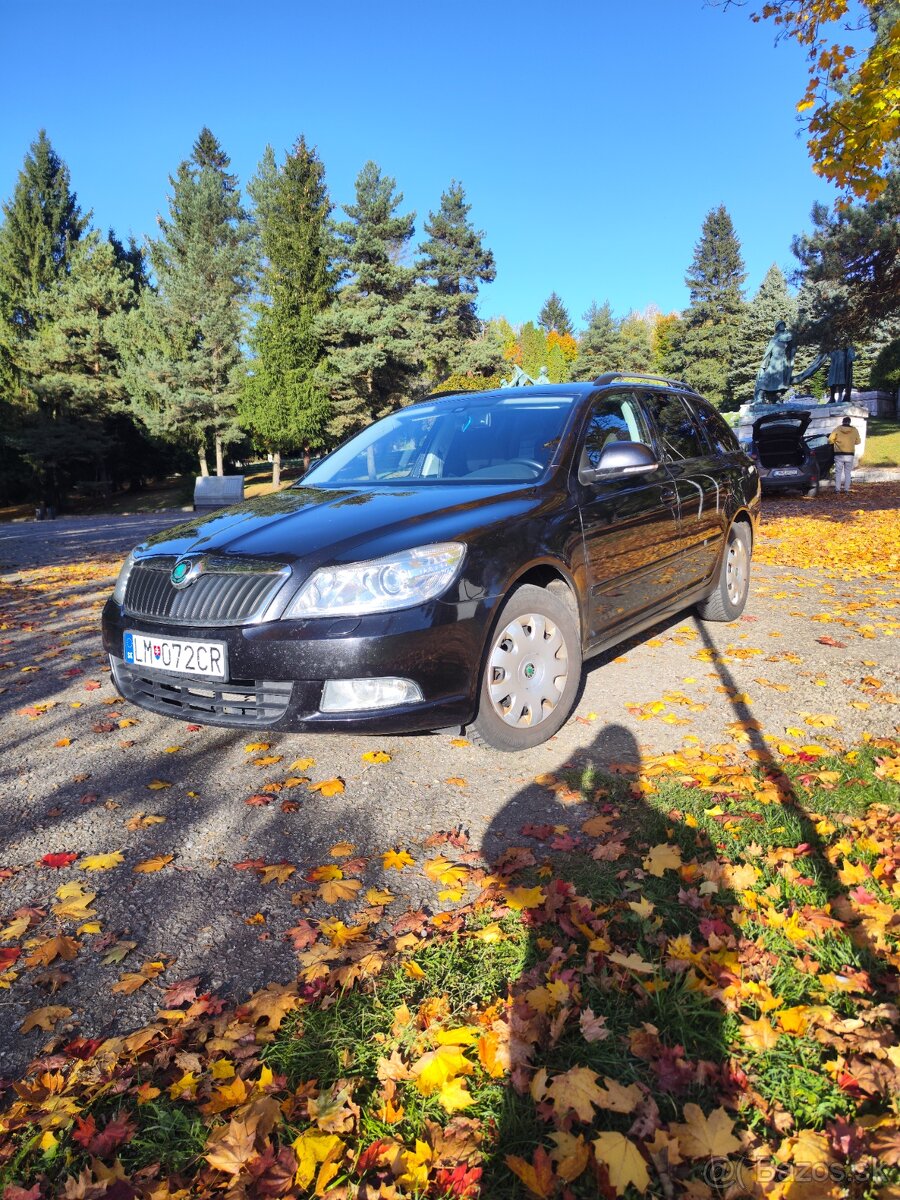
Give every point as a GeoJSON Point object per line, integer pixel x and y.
{"type": "Point", "coordinates": [727, 602]}
{"type": "Point", "coordinates": [531, 671]}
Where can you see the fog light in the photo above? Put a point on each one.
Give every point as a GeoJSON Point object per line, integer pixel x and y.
{"type": "Point", "coordinates": [350, 695]}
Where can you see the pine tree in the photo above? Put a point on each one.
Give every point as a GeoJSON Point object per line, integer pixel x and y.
{"type": "Point", "coordinates": [372, 331]}
{"type": "Point", "coordinates": [535, 351]}
{"type": "Point", "coordinates": [598, 346]}
{"type": "Point", "coordinates": [773, 302]}
{"type": "Point", "coordinates": [454, 261]}
{"type": "Point", "coordinates": [284, 403]}
{"type": "Point", "coordinates": [186, 368]}
{"type": "Point", "coordinates": [41, 225]}
{"type": "Point", "coordinates": [710, 323]}
{"type": "Point", "coordinates": [555, 315]}
{"type": "Point", "coordinates": [634, 343]}
{"type": "Point", "coordinates": [850, 266]}
{"type": "Point", "coordinates": [72, 368]}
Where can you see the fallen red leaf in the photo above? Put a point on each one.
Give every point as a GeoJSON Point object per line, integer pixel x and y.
{"type": "Point", "coordinates": [258, 799]}
{"type": "Point", "coordinates": [64, 859]}
{"type": "Point", "coordinates": [118, 1131]}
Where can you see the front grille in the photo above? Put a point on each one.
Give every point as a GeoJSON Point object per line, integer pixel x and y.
{"type": "Point", "coordinates": [238, 702]}
{"type": "Point", "coordinates": [226, 593]}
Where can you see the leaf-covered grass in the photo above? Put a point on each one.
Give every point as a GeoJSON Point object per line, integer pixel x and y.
{"type": "Point", "coordinates": [707, 968]}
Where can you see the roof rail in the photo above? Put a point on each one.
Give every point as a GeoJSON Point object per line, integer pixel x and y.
{"type": "Point", "coordinates": [627, 376]}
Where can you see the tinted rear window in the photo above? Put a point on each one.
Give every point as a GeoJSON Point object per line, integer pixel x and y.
{"type": "Point", "coordinates": [719, 434]}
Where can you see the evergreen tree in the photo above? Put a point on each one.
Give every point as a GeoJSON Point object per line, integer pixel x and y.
{"type": "Point", "coordinates": [772, 303]}
{"type": "Point", "coordinates": [598, 346]}
{"type": "Point", "coordinates": [72, 368]}
{"type": "Point", "coordinates": [41, 225]}
{"type": "Point", "coordinates": [634, 344]}
{"type": "Point", "coordinates": [453, 263]}
{"type": "Point", "coordinates": [186, 364]}
{"type": "Point", "coordinates": [555, 315]}
{"type": "Point", "coordinates": [850, 266]}
{"type": "Point", "coordinates": [372, 331]}
{"type": "Point", "coordinates": [535, 351]}
{"type": "Point", "coordinates": [710, 323]}
{"type": "Point", "coordinates": [284, 403]}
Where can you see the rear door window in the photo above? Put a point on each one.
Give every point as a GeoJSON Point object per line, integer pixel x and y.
{"type": "Point", "coordinates": [679, 436]}
{"type": "Point", "coordinates": [718, 432]}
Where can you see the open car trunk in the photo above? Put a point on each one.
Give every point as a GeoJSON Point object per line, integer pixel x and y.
{"type": "Point", "coordinates": [779, 439]}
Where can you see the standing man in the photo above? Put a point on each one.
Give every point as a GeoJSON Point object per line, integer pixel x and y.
{"type": "Point", "coordinates": [845, 439]}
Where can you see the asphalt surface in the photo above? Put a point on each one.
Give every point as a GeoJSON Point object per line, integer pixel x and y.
{"type": "Point", "coordinates": [80, 770]}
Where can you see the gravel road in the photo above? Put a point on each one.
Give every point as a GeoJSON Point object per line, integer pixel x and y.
{"type": "Point", "coordinates": [80, 771]}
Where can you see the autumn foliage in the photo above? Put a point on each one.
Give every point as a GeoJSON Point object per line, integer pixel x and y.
{"type": "Point", "coordinates": [852, 101]}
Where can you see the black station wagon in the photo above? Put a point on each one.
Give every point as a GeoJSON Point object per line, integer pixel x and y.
{"type": "Point", "coordinates": [450, 566]}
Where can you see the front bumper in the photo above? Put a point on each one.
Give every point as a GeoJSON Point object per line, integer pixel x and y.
{"type": "Point", "coordinates": [277, 669]}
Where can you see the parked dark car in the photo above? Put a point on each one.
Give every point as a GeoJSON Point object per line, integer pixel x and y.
{"type": "Point", "coordinates": [785, 457]}
{"type": "Point", "coordinates": [451, 565]}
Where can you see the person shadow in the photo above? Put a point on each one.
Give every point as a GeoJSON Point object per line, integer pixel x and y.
{"type": "Point", "coordinates": [652, 1008]}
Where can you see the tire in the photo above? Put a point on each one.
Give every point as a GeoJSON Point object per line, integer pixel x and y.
{"type": "Point", "coordinates": [531, 672]}
{"type": "Point", "coordinates": [727, 602]}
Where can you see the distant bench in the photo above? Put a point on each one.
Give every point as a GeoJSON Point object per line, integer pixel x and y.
{"type": "Point", "coordinates": [218, 491]}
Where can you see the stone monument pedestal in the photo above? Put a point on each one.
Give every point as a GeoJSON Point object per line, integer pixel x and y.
{"type": "Point", "coordinates": [824, 417]}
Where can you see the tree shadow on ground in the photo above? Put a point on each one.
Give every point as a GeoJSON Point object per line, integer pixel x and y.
{"type": "Point", "coordinates": [645, 966]}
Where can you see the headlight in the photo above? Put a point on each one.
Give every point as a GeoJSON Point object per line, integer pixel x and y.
{"type": "Point", "coordinates": [380, 585]}
{"type": "Point", "coordinates": [122, 582]}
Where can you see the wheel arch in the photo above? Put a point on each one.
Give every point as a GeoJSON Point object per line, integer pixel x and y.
{"type": "Point", "coordinates": [555, 576]}
{"type": "Point", "coordinates": [745, 517]}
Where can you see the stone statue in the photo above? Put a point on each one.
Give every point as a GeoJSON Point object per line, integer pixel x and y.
{"type": "Point", "coordinates": [543, 377]}
{"type": "Point", "coordinates": [775, 374]}
{"type": "Point", "coordinates": [840, 374]}
{"type": "Point", "coordinates": [517, 379]}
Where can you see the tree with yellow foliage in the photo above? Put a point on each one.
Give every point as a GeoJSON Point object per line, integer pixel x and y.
{"type": "Point", "coordinates": [852, 97]}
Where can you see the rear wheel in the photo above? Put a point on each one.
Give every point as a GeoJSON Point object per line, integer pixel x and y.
{"type": "Point", "coordinates": [727, 602]}
{"type": "Point", "coordinates": [531, 671]}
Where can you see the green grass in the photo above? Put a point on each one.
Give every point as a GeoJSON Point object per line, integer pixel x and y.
{"type": "Point", "coordinates": [793, 1075]}
{"type": "Point", "coordinates": [168, 1133]}
{"type": "Point", "coordinates": [882, 443]}
{"type": "Point", "coordinates": [713, 952]}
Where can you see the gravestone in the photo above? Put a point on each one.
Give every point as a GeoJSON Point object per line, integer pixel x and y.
{"type": "Point", "coordinates": [217, 491]}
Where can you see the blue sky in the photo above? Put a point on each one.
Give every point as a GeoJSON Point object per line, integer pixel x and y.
{"type": "Point", "coordinates": [591, 138]}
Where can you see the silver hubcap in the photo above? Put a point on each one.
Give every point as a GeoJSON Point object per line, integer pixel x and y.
{"type": "Point", "coordinates": [527, 670]}
{"type": "Point", "coordinates": [736, 571]}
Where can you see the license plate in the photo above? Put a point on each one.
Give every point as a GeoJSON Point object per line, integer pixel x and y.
{"type": "Point", "coordinates": [787, 471]}
{"type": "Point", "coordinates": [179, 655]}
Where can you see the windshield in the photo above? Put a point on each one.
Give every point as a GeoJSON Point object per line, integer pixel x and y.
{"type": "Point", "coordinates": [505, 440]}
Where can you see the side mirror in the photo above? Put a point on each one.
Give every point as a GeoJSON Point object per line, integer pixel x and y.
{"type": "Point", "coordinates": [621, 458]}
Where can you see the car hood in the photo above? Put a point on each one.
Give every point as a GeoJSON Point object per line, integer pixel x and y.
{"type": "Point", "coordinates": [317, 525]}
{"type": "Point", "coordinates": [789, 422]}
